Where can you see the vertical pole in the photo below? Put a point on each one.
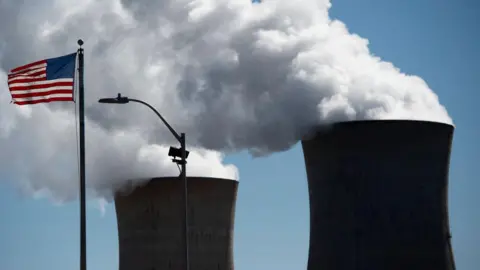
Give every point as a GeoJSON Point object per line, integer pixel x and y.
{"type": "Point", "coordinates": [81, 98]}
{"type": "Point", "coordinates": [185, 195]}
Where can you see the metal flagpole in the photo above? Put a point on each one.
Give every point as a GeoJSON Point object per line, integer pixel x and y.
{"type": "Point", "coordinates": [81, 98]}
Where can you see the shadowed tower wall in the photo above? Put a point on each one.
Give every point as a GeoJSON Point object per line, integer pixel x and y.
{"type": "Point", "coordinates": [378, 196]}
{"type": "Point", "coordinates": [150, 224]}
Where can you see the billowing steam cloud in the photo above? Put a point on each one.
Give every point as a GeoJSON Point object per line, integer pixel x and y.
{"type": "Point", "coordinates": [231, 74]}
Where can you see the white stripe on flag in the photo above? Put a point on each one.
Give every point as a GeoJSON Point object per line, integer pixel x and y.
{"type": "Point", "coordinates": [44, 65]}
{"type": "Point", "coordinates": [26, 77]}
{"type": "Point", "coordinates": [40, 82]}
{"type": "Point", "coordinates": [43, 97]}
{"type": "Point", "coordinates": [17, 92]}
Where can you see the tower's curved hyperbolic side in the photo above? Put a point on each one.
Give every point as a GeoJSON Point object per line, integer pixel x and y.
{"type": "Point", "coordinates": [378, 196]}
{"type": "Point", "coordinates": [150, 224]}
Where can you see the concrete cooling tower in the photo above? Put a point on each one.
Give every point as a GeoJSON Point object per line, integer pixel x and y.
{"type": "Point", "coordinates": [151, 231]}
{"type": "Point", "coordinates": [378, 196]}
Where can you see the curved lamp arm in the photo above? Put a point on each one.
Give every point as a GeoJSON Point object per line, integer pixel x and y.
{"type": "Point", "coordinates": [123, 100]}
{"type": "Point", "coordinates": [159, 115]}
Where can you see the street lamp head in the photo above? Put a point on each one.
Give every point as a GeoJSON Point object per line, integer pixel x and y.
{"type": "Point", "coordinates": [118, 100]}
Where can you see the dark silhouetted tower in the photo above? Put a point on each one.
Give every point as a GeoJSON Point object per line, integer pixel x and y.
{"type": "Point", "coordinates": [150, 224]}
{"type": "Point", "coordinates": [378, 196]}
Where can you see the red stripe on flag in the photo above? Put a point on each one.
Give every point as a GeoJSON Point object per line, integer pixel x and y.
{"type": "Point", "coordinates": [46, 100]}
{"type": "Point", "coordinates": [38, 73]}
{"type": "Point", "coordinates": [30, 70]}
{"type": "Point", "coordinates": [30, 80]}
{"type": "Point", "coordinates": [39, 94]}
{"type": "Point", "coordinates": [28, 65]}
{"type": "Point", "coordinates": [40, 86]}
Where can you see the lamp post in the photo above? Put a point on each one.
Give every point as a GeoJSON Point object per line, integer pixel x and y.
{"type": "Point", "coordinates": [181, 153]}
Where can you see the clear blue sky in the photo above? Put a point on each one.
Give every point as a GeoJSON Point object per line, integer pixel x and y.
{"type": "Point", "coordinates": [438, 40]}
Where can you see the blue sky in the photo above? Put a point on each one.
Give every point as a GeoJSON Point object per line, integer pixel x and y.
{"type": "Point", "coordinates": [435, 39]}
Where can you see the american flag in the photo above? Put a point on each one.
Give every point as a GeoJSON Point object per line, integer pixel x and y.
{"type": "Point", "coordinates": [43, 81]}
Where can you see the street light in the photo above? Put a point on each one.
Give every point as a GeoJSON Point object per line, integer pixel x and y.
{"type": "Point", "coordinates": [118, 100]}
{"type": "Point", "coordinates": [175, 153]}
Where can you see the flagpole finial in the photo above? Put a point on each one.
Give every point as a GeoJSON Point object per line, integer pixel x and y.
{"type": "Point", "coordinates": [80, 42]}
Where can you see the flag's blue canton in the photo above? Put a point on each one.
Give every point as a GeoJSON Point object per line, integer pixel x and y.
{"type": "Point", "coordinates": [61, 67]}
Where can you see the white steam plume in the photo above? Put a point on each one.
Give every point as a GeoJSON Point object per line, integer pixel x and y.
{"type": "Point", "coordinates": [231, 74]}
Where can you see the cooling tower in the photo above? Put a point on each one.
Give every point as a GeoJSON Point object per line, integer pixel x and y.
{"type": "Point", "coordinates": [151, 231]}
{"type": "Point", "coordinates": [378, 196]}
